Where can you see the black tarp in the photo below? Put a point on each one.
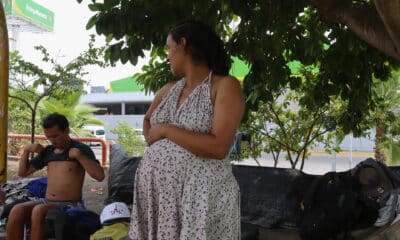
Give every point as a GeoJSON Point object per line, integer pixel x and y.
{"type": "Point", "coordinates": [264, 190]}
{"type": "Point", "coordinates": [269, 196]}
{"type": "Point", "coordinates": [121, 176]}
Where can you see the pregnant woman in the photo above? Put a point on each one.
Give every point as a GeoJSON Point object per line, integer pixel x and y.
{"type": "Point", "coordinates": [184, 187]}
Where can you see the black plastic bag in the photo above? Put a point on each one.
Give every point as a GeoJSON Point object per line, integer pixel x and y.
{"type": "Point", "coordinates": [121, 176]}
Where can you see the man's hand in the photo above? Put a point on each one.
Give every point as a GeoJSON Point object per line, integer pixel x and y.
{"type": "Point", "coordinates": [74, 153]}
{"type": "Point", "coordinates": [34, 148]}
{"type": "Point", "coordinates": [91, 167]}
{"type": "Point", "coordinates": [24, 168]}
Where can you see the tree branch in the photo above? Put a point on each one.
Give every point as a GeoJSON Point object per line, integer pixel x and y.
{"type": "Point", "coordinates": [379, 26]}
{"type": "Point", "coordinates": [389, 11]}
{"type": "Point", "coordinates": [280, 123]}
{"type": "Point", "coordinates": [23, 100]}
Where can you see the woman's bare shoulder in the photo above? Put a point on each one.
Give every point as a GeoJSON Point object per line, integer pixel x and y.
{"type": "Point", "coordinates": [227, 81]}
{"type": "Point", "coordinates": [165, 89]}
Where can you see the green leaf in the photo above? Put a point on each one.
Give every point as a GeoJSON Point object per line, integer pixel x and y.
{"type": "Point", "coordinates": [109, 37]}
{"type": "Point", "coordinates": [91, 22]}
{"type": "Point", "coordinates": [96, 7]}
{"type": "Point", "coordinates": [111, 3]}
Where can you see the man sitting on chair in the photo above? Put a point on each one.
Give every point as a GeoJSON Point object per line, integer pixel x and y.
{"type": "Point", "coordinates": [66, 161]}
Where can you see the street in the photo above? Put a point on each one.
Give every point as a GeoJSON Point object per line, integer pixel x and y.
{"type": "Point", "coordinates": [317, 163]}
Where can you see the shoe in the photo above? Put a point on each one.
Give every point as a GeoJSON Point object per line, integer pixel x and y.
{"type": "Point", "coordinates": [388, 211]}
{"type": "Point", "coordinates": [397, 218]}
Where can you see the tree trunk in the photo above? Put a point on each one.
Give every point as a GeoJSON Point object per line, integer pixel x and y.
{"type": "Point", "coordinates": [4, 64]}
{"type": "Point", "coordinates": [33, 125]}
{"type": "Point", "coordinates": [275, 157]}
{"type": "Point", "coordinates": [303, 157]}
{"type": "Point", "coordinates": [379, 154]}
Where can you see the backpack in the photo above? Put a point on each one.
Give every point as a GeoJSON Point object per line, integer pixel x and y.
{"type": "Point", "coordinates": [71, 223]}
{"type": "Point", "coordinates": [376, 179]}
{"type": "Point", "coordinates": [381, 185]}
{"type": "Point", "coordinates": [82, 223]}
{"type": "Point", "coordinates": [333, 206]}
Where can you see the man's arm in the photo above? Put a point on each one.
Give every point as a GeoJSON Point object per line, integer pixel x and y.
{"type": "Point", "coordinates": [91, 167]}
{"type": "Point", "coordinates": [24, 168]}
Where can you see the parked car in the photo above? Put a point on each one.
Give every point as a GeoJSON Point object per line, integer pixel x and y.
{"type": "Point", "coordinates": [97, 131]}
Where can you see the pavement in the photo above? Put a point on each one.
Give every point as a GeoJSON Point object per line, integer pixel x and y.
{"type": "Point", "coordinates": [318, 162]}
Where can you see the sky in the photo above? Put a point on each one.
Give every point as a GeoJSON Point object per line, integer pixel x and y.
{"type": "Point", "coordinates": [69, 39]}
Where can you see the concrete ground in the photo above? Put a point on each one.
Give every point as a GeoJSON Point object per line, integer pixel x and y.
{"type": "Point", "coordinates": [317, 163]}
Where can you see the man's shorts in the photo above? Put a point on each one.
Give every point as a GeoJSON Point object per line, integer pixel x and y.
{"type": "Point", "coordinates": [59, 204]}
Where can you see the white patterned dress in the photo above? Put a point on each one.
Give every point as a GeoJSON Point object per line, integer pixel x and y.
{"type": "Point", "coordinates": [178, 195]}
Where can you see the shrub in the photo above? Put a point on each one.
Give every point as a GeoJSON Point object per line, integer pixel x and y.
{"type": "Point", "coordinates": [130, 139]}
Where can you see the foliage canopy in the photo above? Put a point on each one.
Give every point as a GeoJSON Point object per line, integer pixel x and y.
{"type": "Point", "coordinates": [269, 35]}
{"type": "Point", "coordinates": [30, 84]}
{"type": "Point", "coordinates": [129, 139]}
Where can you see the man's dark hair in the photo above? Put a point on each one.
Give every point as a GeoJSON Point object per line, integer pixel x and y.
{"type": "Point", "coordinates": [55, 119]}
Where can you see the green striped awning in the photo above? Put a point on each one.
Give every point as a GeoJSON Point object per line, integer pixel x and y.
{"type": "Point", "coordinates": [127, 84]}
{"type": "Point", "coordinates": [239, 69]}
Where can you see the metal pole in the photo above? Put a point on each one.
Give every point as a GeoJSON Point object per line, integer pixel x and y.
{"type": "Point", "coordinates": [333, 162]}
{"type": "Point", "coordinates": [3, 95]}
{"type": "Point", "coordinates": [351, 151]}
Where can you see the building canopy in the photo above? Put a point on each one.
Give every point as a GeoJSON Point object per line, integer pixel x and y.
{"type": "Point", "coordinates": [127, 84]}
{"type": "Point", "coordinates": [239, 69]}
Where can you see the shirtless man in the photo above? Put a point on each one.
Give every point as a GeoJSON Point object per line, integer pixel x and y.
{"type": "Point", "coordinates": [66, 161]}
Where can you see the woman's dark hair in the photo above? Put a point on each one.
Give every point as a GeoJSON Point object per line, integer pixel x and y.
{"type": "Point", "coordinates": [55, 119]}
{"type": "Point", "coordinates": [203, 44]}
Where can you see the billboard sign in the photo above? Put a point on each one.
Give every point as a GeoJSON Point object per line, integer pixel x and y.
{"type": "Point", "coordinates": [31, 12]}
{"type": "Point", "coordinates": [7, 6]}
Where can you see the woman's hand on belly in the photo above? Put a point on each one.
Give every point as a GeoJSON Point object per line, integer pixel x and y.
{"type": "Point", "coordinates": [155, 133]}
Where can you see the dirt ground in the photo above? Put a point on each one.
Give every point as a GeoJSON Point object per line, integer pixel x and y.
{"type": "Point", "coordinates": [94, 192]}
